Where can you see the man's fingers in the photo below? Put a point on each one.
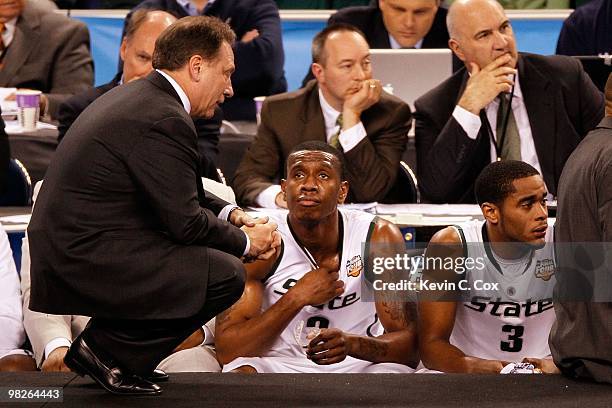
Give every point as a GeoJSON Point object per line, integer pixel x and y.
{"type": "Point", "coordinates": [331, 356]}
{"type": "Point", "coordinates": [246, 220]}
{"type": "Point", "coordinates": [260, 220]}
{"type": "Point", "coordinates": [326, 353]}
{"type": "Point", "coordinates": [266, 255]}
{"type": "Point", "coordinates": [498, 62]}
{"type": "Point", "coordinates": [325, 346]}
{"type": "Point", "coordinates": [276, 239]}
{"type": "Point", "coordinates": [535, 361]}
{"type": "Point", "coordinates": [330, 361]}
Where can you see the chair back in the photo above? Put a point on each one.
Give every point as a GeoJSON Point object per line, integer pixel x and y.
{"type": "Point", "coordinates": [18, 188]}
{"type": "Point", "coordinates": [406, 188]}
{"type": "Point", "coordinates": [232, 147]}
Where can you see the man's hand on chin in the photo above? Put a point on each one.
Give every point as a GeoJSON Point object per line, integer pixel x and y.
{"type": "Point", "coordinates": [356, 102]}
{"type": "Point", "coordinates": [485, 84]}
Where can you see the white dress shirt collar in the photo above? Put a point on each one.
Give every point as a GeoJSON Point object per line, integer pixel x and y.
{"type": "Point", "coordinates": [182, 95]}
{"type": "Point", "coordinates": [396, 46]}
{"type": "Point", "coordinates": [190, 8]}
{"type": "Point", "coordinates": [9, 31]}
{"type": "Point", "coordinates": [330, 116]}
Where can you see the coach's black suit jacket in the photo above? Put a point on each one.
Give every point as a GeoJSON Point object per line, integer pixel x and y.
{"type": "Point", "coordinates": [208, 130]}
{"type": "Point", "coordinates": [562, 103]}
{"type": "Point", "coordinates": [122, 224]}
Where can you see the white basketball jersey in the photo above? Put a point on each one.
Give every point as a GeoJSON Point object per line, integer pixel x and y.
{"type": "Point", "coordinates": [514, 321]}
{"type": "Point", "coordinates": [348, 312]}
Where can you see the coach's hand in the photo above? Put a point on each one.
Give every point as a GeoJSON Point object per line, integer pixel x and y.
{"type": "Point", "coordinates": [331, 346]}
{"type": "Point", "coordinates": [55, 360]}
{"type": "Point", "coordinates": [263, 239]}
{"type": "Point", "coordinates": [485, 84]}
{"type": "Point", "coordinates": [319, 285]}
{"type": "Point", "coordinates": [240, 218]}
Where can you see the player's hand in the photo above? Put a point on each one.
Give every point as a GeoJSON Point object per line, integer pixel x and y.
{"type": "Point", "coordinates": [483, 366]}
{"type": "Point", "coordinates": [547, 365]}
{"type": "Point", "coordinates": [331, 346]}
{"type": "Point", "coordinates": [485, 84]}
{"type": "Point", "coordinates": [319, 285]}
{"type": "Point", "coordinates": [240, 218]}
{"type": "Point", "coordinates": [55, 360]}
{"type": "Point", "coordinates": [358, 100]}
{"type": "Point", "coordinates": [262, 238]}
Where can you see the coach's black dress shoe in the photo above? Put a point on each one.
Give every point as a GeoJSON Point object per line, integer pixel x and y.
{"type": "Point", "coordinates": [82, 360]}
{"type": "Point", "coordinates": [158, 376]}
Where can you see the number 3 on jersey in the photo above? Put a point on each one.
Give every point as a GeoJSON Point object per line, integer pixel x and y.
{"type": "Point", "coordinates": [515, 341]}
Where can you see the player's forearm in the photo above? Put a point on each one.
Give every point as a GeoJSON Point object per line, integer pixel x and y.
{"type": "Point", "coordinates": [396, 347]}
{"type": "Point", "coordinates": [442, 356]}
{"type": "Point", "coordinates": [231, 342]}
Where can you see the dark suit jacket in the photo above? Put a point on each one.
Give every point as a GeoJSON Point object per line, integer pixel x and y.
{"type": "Point", "coordinates": [208, 129]}
{"type": "Point", "coordinates": [259, 63]}
{"type": "Point", "coordinates": [562, 103]}
{"type": "Point", "coordinates": [50, 53]}
{"type": "Point", "coordinates": [5, 154]}
{"type": "Point", "coordinates": [588, 30]}
{"type": "Point", "coordinates": [122, 227]}
{"type": "Point", "coordinates": [580, 338]}
{"type": "Point", "coordinates": [295, 117]}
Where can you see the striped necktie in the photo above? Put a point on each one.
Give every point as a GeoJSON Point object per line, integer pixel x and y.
{"type": "Point", "coordinates": [334, 141]}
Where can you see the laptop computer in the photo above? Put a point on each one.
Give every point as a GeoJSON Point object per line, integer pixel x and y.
{"type": "Point", "coordinates": [597, 67]}
{"type": "Point", "coordinates": [411, 72]}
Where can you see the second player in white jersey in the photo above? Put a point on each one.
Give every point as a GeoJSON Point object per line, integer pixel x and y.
{"type": "Point", "coordinates": [513, 321]}
{"type": "Point", "coordinates": [496, 308]}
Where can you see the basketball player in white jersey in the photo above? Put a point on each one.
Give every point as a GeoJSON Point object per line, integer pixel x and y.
{"type": "Point", "coordinates": [484, 328]}
{"type": "Point", "coordinates": [308, 310]}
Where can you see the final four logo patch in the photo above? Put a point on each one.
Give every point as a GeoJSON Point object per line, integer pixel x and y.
{"type": "Point", "coordinates": [545, 269]}
{"type": "Point", "coordinates": [354, 266]}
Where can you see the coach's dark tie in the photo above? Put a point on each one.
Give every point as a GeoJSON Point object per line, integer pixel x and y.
{"type": "Point", "coordinates": [511, 148]}
{"type": "Point", "coordinates": [335, 139]}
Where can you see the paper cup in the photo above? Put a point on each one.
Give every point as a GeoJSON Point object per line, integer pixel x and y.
{"type": "Point", "coordinates": [28, 103]}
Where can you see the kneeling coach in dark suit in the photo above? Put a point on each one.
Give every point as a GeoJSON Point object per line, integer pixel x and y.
{"type": "Point", "coordinates": [123, 231]}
